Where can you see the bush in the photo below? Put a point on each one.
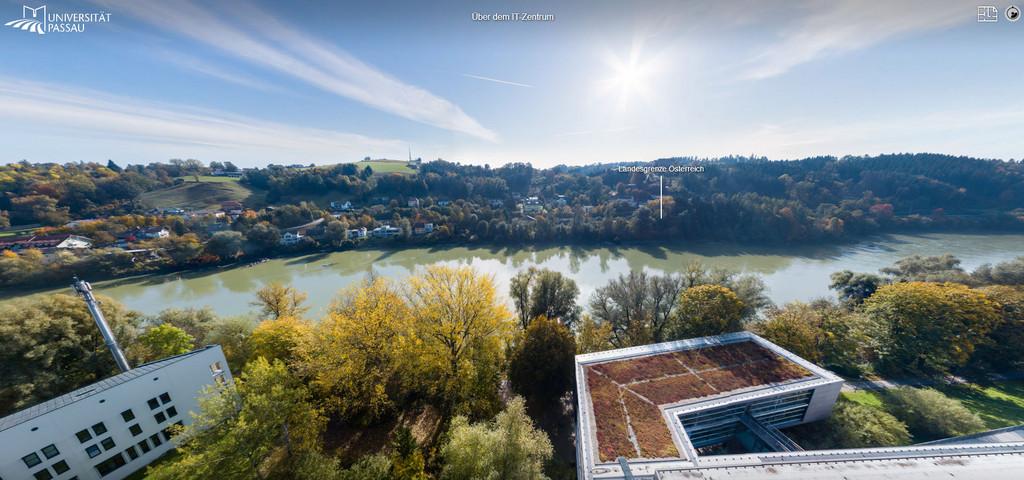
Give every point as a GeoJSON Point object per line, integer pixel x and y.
{"type": "Point", "coordinates": [853, 425]}
{"type": "Point", "coordinates": [930, 415]}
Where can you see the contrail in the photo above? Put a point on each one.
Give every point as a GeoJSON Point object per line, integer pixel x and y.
{"type": "Point", "coordinates": [495, 80]}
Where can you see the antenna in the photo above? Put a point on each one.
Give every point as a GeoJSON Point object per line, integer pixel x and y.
{"type": "Point", "coordinates": [83, 289]}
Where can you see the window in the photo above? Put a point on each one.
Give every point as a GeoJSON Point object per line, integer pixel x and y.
{"type": "Point", "coordinates": [167, 433]}
{"type": "Point", "coordinates": [43, 474]}
{"type": "Point", "coordinates": [107, 443]}
{"type": "Point", "coordinates": [83, 436]}
{"type": "Point", "coordinates": [144, 446]}
{"type": "Point", "coordinates": [109, 465]}
{"type": "Point", "coordinates": [93, 451]}
{"type": "Point", "coordinates": [132, 453]}
{"type": "Point", "coordinates": [171, 412]}
{"type": "Point", "coordinates": [135, 429]}
{"type": "Point", "coordinates": [165, 398]}
{"type": "Point", "coordinates": [128, 415]}
{"type": "Point", "coordinates": [160, 417]}
{"type": "Point", "coordinates": [61, 467]}
{"type": "Point", "coordinates": [99, 429]}
{"type": "Point", "coordinates": [215, 368]}
{"type": "Point", "coordinates": [153, 403]}
{"type": "Point", "coordinates": [155, 438]}
{"type": "Point", "coordinates": [31, 460]}
{"type": "Point", "coordinates": [50, 451]}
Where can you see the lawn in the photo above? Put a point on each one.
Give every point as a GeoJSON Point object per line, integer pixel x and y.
{"type": "Point", "coordinates": [202, 195]}
{"type": "Point", "coordinates": [207, 179]}
{"type": "Point", "coordinates": [386, 166]}
{"type": "Point", "coordinates": [999, 405]}
{"type": "Point", "coordinates": [18, 231]}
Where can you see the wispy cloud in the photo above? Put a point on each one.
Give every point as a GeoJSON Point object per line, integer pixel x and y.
{"type": "Point", "coordinates": [102, 116]}
{"type": "Point", "coordinates": [264, 40]}
{"type": "Point", "coordinates": [495, 80]}
{"type": "Point", "coordinates": [579, 133]}
{"type": "Point", "coordinates": [836, 27]}
{"type": "Point", "coordinates": [203, 67]}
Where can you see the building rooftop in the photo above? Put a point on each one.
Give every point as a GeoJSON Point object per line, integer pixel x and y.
{"type": "Point", "coordinates": [87, 391]}
{"type": "Point", "coordinates": [633, 402]}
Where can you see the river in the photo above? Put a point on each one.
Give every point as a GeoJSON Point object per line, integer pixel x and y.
{"type": "Point", "coordinates": [794, 273]}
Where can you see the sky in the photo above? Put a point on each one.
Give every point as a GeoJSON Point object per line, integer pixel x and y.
{"type": "Point", "coordinates": [589, 81]}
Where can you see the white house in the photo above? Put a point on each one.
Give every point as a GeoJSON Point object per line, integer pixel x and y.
{"type": "Point", "coordinates": [357, 233]}
{"type": "Point", "coordinates": [414, 203]}
{"type": "Point", "coordinates": [113, 427]}
{"type": "Point", "coordinates": [532, 205]}
{"type": "Point", "coordinates": [386, 231]}
{"type": "Point", "coordinates": [343, 207]}
{"type": "Point", "coordinates": [291, 238]}
{"type": "Point", "coordinates": [421, 228]}
{"type": "Point", "coordinates": [154, 232]}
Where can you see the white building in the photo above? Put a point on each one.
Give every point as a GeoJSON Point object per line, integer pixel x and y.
{"type": "Point", "coordinates": [386, 231]}
{"type": "Point", "coordinates": [357, 233]}
{"type": "Point", "coordinates": [291, 238]}
{"type": "Point", "coordinates": [113, 427]}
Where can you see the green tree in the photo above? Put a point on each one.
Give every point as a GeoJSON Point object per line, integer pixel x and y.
{"type": "Point", "coordinates": [853, 425]}
{"type": "Point", "coordinates": [276, 301]}
{"type": "Point", "coordinates": [706, 310]}
{"type": "Point", "coordinates": [822, 332]}
{"type": "Point", "coordinates": [541, 365]}
{"type": "Point", "coordinates": [855, 287]}
{"type": "Point", "coordinates": [407, 462]}
{"type": "Point", "coordinates": [544, 292]}
{"type": "Point", "coordinates": [509, 448]}
{"type": "Point", "coordinates": [164, 340]}
{"type": "Point", "coordinates": [929, 414]}
{"type": "Point", "coordinates": [263, 426]}
{"type": "Point", "coordinates": [928, 328]}
{"type": "Point", "coordinates": [226, 245]}
{"type": "Point", "coordinates": [264, 236]}
{"type": "Point", "coordinates": [51, 346]}
{"type": "Point", "coordinates": [196, 322]}
{"type": "Point", "coordinates": [232, 334]}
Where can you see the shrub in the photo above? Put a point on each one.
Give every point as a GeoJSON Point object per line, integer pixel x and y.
{"type": "Point", "coordinates": [929, 414]}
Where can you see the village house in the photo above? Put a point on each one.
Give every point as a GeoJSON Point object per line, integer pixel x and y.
{"type": "Point", "coordinates": [46, 242]}
{"type": "Point", "coordinates": [291, 238]}
{"type": "Point", "coordinates": [422, 228]}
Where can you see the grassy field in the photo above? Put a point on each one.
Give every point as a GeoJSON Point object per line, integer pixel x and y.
{"type": "Point", "coordinates": [386, 166]}
{"type": "Point", "coordinates": [202, 195]}
{"type": "Point", "coordinates": [208, 179]}
{"type": "Point", "coordinates": [999, 405]}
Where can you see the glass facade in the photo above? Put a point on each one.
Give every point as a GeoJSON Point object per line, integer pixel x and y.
{"type": "Point", "coordinates": [716, 425]}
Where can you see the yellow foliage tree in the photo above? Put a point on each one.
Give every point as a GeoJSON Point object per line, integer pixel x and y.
{"type": "Point", "coordinates": [277, 301]}
{"type": "Point", "coordinates": [463, 330]}
{"type": "Point", "coordinates": [357, 356]}
{"type": "Point", "coordinates": [279, 339]}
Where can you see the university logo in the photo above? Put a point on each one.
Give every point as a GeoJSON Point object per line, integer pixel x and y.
{"type": "Point", "coordinates": [36, 23]}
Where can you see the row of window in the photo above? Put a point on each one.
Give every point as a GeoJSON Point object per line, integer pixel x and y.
{"type": "Point", "coordinates": [117, 460]}
{"type": "Point", "coordinates": [33, 459]}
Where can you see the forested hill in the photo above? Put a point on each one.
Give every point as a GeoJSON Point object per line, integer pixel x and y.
{"type": "Point", "coordinates": [745, 199]}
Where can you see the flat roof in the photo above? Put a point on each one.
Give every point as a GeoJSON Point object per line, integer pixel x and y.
{"type": "Point", "coordinates": [40, 409]}
{"type": "Point", "coordinates": [628, 397]}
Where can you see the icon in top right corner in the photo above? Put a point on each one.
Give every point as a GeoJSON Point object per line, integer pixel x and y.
{"type": "Point", "coordinates": [1012, 13]}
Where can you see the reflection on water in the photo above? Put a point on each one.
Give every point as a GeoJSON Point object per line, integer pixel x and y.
{"type": "Point", "coordinates": [795, 273]}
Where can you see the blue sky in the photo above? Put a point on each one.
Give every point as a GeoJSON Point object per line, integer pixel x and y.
{"type": "Point", "coordinates": [327, 82]}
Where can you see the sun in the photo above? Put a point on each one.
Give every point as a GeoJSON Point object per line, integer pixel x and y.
{"type": "Point", "coordinates": [630, 77]}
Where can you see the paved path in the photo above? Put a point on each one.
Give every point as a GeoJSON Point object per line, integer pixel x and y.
{"type": "Point", "coordinates": [884, 384]}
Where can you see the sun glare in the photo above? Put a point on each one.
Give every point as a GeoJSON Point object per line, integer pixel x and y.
{"type": "Point", "coordinates": [630, 77]}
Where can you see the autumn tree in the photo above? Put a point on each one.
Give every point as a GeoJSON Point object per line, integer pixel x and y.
{"type": "Point", "coordinates": [592, 336]}
{"type": "Point", "coordinates": [706, 310]}
{"type": "Point", "coordinates": [358, 358]}
{"type": "Point", "coordinates": [51, 346]}
{"type": "Point", "coordinates": [196, 322]}
{"type": "Point", "coordinates": [853, 425]}
{"type": "Point", "coordinates": [276, 301]}
{"type": "Point", "coordinates": [822, 332]}
{"type": "Point", "coordinates": [264, 426]}
{"type": "Point", "coordinates": [279, 338]}
{"type": "Point", "coordinates": [929, 328]}
{"type": "Point", "coordinates": [1002, 350]}
{"type": "Point", "coordinates": [462, 329]}
{"type": "Point", "coordinates": [232, 334]}
{"type": "Point", "coordinates": [164, 340]}
{"type": "Point", "coordinates": [541, 365]}
{"type": "Point", "coordinates": [509, 448]}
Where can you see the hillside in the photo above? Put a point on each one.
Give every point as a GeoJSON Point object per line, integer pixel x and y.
{"type": "Point", "coordinates": [386, 166]}
{"type": "Point", "coordinates": [204, 194]}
